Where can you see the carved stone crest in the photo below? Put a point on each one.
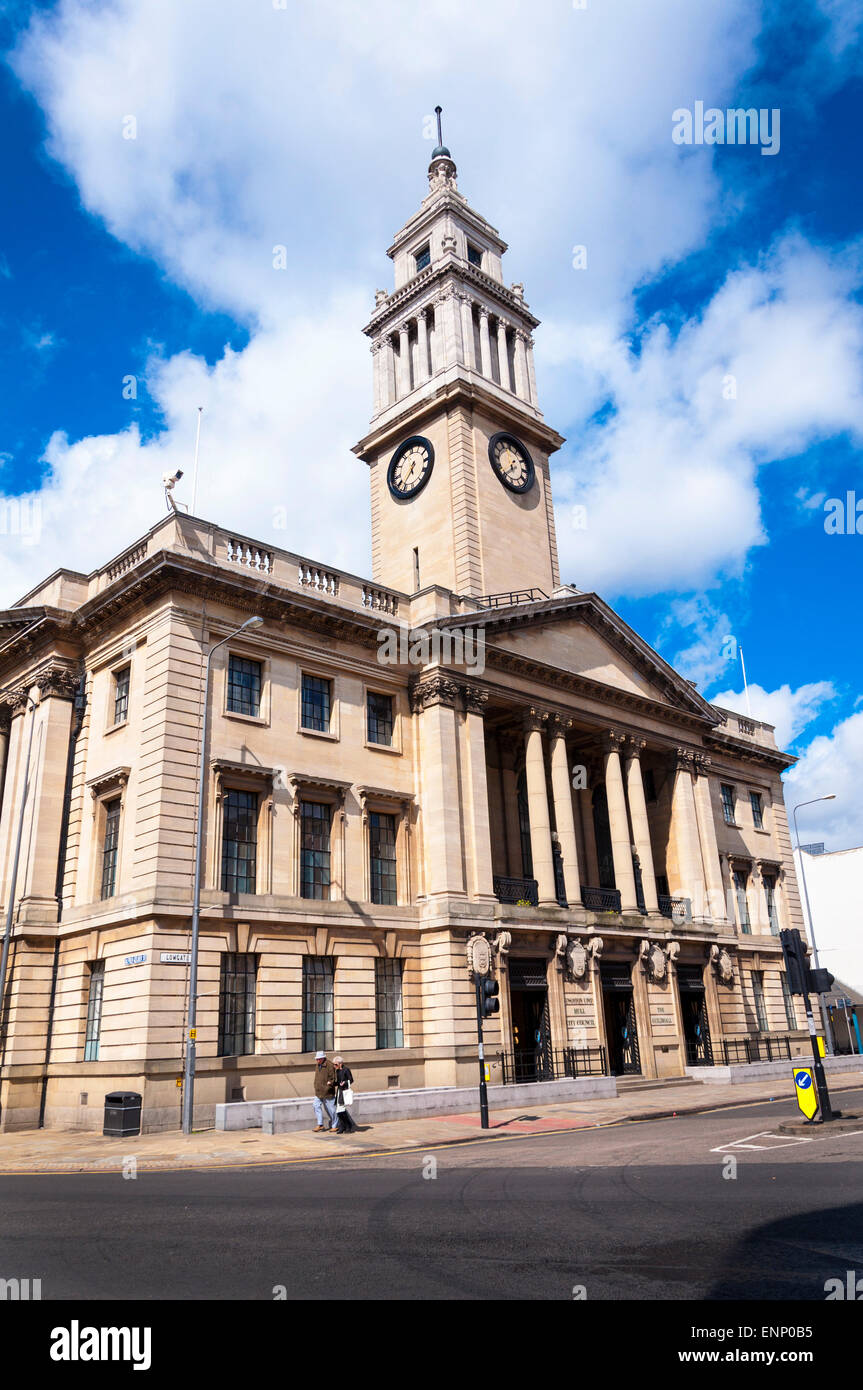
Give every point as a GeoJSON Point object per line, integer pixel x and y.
{"type": "Point", "coordinates": [722, 964]}
{"type": "Point", "coordinates": [479, 957]}
{"type": "Point", "coordinates": [576, 960]}
{"type": "Point", "coordinates": [654, 960]}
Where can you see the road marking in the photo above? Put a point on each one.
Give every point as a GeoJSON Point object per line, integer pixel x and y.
{"type": "Point", "coordinates": [784, 1141]}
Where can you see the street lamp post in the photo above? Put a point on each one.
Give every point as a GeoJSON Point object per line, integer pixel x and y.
{"type": "Point", "coordinates": [189, 1069]}
{"type": "Point", "coordinates": [13, 877]}
{"type": "Point", "coordinates": [831, 796]}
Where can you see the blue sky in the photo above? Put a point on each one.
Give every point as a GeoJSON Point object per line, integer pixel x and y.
{"type": "Point", "coordinates": [257, 124]}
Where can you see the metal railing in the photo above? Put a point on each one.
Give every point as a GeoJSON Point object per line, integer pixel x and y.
{"type": "Point", "coordinates": [601, 899]}
{"type": "Point", "coordinates": [509, 600]}
{"type": "Point", "coordinates": [679, 908]}
{"type": "Point", "coordinates": [516, 890]}
{"type": "Point", "coordinates": [552, 1064]}
{"type": "Point", "coordinates": [742, 1051]}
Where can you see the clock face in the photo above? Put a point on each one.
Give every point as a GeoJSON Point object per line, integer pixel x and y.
{"type": "Point", "coordinates": [511, 462]}
{"type": "Point", "coordinates": [410, 467]}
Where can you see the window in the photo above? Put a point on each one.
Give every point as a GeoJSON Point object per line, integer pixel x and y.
{"type": "Point", "coordinates": [474, 255]}
{"type": "Point", "coordinates": [524, 826]}
{"type": "Point", "coordinates": [649, 784]}
{"type": "Point", "coordinates": [757, 810]}
{"type": "Point", "coordinates": [788, 1001]}
{"type": "Point", "coordinates": [388, 1003]}
{"type": "Point", "coordinates": [379, 710]}
{"type": "Point", "coordinates": [727, 803]}
{"type": "Point", "coordinates": [239, 841]}
{"type": "Point", "coordinates": [318, 1003]}
{"type": "Point", "coordinates": [758, 995]}
{"type": "Point", "coordinates": [423, 257]}
{"type": "Point", "coordinates": [314, 850]}
{"type": "Point", "coordinates": [110, 845]}
{"type": "Point", "coordinates": [741, 879]}
{"type": "Point", "coordinates": [244, 686]}
{"type": "Point", "coordinates": [317, 703]}
{"type": "Point", "coordinates": [237, 982]}
{"type": "Point", "coordinates": [770, 895]}
{"type": "Point", "coordinates": [121, 695]}
{"type": "Point", "coordinates": [382, 850]}
{"type": "Point", "coordinates": [94, 1011]}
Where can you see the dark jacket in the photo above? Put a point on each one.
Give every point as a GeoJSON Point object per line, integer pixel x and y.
{"type": "Point", "coordinates": [325, 1080]}
{"type": "Point", "coordinates": [344, 1077]}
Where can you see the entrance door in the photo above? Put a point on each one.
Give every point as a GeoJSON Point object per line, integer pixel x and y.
{"type": "Point", "coordinates": [693, 1010]}
{"type": "Point", "coordinates": [620, 1025]}
{"type": "Point", "coordinates": [531, 1028]}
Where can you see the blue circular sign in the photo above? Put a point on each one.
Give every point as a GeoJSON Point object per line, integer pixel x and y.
{"type": "Point", "coordinates": [803, 1080]}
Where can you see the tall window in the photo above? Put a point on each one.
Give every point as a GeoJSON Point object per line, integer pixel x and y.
{"type": "Point", "coordinates": [524, 826]}
{"type": "Point", "coordinates": [121, 694]}
{"type": "Point", "coordinates": [741, 879]}
{"type": "Point", "coordinates": [788, 1001]}
{"type": "Point", "coordinates": [382, 849]}
{"type": "Point", "coordinates": [772, 914]}
{"type": "Point", "coordinates": [758, 996]}
{"type": "Point", "coordinates": [239, 841]}
{"type": "Point", "coordinates": [317, 704]}
{"type": "Point", "coordinates": [237, 982]}
{"type": "Point", "coordinates": [380, 718]}
{"type": "Point", "coordinates": [757, 810]}
{"type": "Point", "coordinates": [315, 822]}
{"type": "Point", "coordinates": [727, 803]}
{"type": "Point", "coordinates": [110, 846]}
{"type": "Point", "coordinates": [244, 686]}
{"type": "Point", "coordinates": [474, 255]}
{"type": "Point", "coordinates": [423, 257]}
{"type": "Point", "coordinates": [94, 1011]}
{"type": "Point", "coordinates": [318, 1003]}
{"type": "Point", "coordinates": [388, 1003]}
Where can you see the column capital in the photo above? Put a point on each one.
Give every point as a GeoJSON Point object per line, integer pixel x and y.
{"type": "Point", "coordinates": [559, 725]}
{"type": "Point", "coordinates": [701, 764]}
{"type": "Point", "coordinates": [484, 313]}
{"type": "Point", "coordinates": [475, 698]}
{"type": "Point", "coordinates": [58, 680]}
{"type": "Point", "coordinates": [681, 759]}
{"type": "Point", "coordinates": [634, 746]}
{"type": "Point", "coordinates": [535, 720]}
{"type": "Point", "coordinates": [433, 690]}
{"type": "Point", "coordinates": [612, 740]}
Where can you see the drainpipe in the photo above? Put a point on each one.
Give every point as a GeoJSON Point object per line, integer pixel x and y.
{"type": "Point", "coordinates": [80, 704]}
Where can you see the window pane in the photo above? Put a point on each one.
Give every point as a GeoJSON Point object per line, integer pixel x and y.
{"type": "Point", "coordinates": [388, 1003]}
{"type": "Point", "coordinates": [380, 718]}
{"type": "Point", "coordinates": [770, 895]}
{"type": "Point", "coordinates": [318, 1003]}
{"type": "Point", "coordinates": [109, 848]}
{"type": "Point", "coordinates": [315, 850]}
{"type": "Point", "coordinates": [788, 1001]}
{"type": "Point", "coordinates": [758, 993]}
{"type": "Point", "coordinates": [94, 1011]}
{"type": "Point", "coordinates": [423, 258]}
{"type": "Point", "coordinates": [740, 881]}
{"type": "Point", "coordinates": [728, 803]}
{"type": "Point", "coordinates": [524, 826]}
{"type": "Point", "coordinates": [244, 686]}
{"type": "Point", "coordinates": [757, 812]}
{"type": "Point", "coordinates": [474, 255]}
{"type": "Point", "coordinates": [382, 847]}
{"type": "Point", "coordinates": [316, 704]}
{"type": "Point", "coordinates": [237, 1004]}
{"type": "Point", "coordinates": [239, 841]}
{"type": "Point", "coordinates": [121, 695]}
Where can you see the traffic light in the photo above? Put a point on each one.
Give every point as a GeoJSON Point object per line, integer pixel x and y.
{"type": "Point", "coordinates": [796, 964]}
{"type": "Point", "coordinates": [488, 1001]}
{"type": "Point", "coordinates": [821, 981]}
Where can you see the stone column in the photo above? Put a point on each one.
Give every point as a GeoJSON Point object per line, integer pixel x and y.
{"type": "Point", "coordinates": [390, 390]}
{"type": "Point", "coordinates": [480, 878]}
{"type": "Point", "coordinates": [467, 332]}
{"type": "Point", "coordinates": [422, 347]}
{"type": "Point", "coordinates": [537, 803]}
{"type": "Point", "coordinates": [377, 372]}
{"type": "Point", "coordinates": [563, 816]}
{"type": "Point", "coordinates": [531, 370]}
{"type": "Point", "coordinates": [434, 699]}
{"type": "Point", "coordinates": [5, 725]}
{"type": "Point", "coordinates": [521, 381]}
{"type": "Point", "coordinates": [485, 343]}
{"type": "Point", "coordinates": [404, 360]}
{"type": "Point", "coordinates": [502, 355]}
{"type": "Point", "coordinates": [684, 828]}
{"type": "Point", "coordinates": [640, 823]}
{"type": "Point", "coordinates": [716, 901]}
{"type": "Point", "coordinates": [621, 844]}
{"type": "Point", "coordinates": [37, 874]}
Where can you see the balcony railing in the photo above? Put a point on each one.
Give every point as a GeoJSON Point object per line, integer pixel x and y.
{"type": "Point", "coordinates": [516, 890]}
{"type": "Point", "coordinates": [511, 599]}
{"type": "Point", "coordinates": [548, 1064]}
{"type": "Point", "coordinates": [601, 899]}
{"type": "Point", "coordinates": [742, 1051]}
{"type": "Point", "coordinates": [678, 908]}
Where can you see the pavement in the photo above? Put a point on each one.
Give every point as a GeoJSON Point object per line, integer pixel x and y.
{"type": "Point", "coordinates": [69, 1151]}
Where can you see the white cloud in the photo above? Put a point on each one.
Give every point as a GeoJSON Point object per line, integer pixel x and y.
{"type": "Point", "coordinates": [789, 711]}
{"type": "Point", "coordinates": [831, 763]}
{"type": "Point", "coordinates": [712, 645]}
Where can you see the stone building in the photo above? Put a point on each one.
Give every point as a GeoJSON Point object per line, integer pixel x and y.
{"type": "Point", "coordinates": [459, 747]}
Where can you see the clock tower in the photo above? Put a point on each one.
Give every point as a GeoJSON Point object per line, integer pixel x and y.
{"type": "Point", "coordinates": [457, 449]}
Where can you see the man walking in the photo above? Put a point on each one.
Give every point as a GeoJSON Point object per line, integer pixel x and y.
{"type": "Point", "coordinates": [325, 1091]}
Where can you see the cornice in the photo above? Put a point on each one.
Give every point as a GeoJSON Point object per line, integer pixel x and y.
{"type": "Point", "coordinates": [434, 276]}
{"type": "Point", "coordinates": [113, 780]}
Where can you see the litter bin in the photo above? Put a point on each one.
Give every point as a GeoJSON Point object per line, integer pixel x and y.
{"type": "Point", "coordinates": [122, 1114]}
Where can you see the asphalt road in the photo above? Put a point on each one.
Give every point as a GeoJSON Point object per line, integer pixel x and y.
{"type": "Point", "coordinates": [639, 1211]}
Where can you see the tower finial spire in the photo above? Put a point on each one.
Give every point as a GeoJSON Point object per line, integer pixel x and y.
{"type": "Point", "coordinates": [438, 110]}
{"type": "Point", "coordinates": [440, 151]}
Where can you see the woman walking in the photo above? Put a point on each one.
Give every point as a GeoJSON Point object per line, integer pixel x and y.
{"type": "Point", "coordinates": [344, 1096]}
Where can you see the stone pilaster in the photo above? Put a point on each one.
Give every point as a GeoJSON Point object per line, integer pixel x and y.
{"type": "Point", "coordinates": [563, 815]}
{"type": "Point", "coordinates": [537, 800]}
{"type": "Point", "coordinates": [640, 824]}
{"type": "Point", "coordinates": [716, 903]}
{"type": "Point", "coordinates": [621, 843]}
